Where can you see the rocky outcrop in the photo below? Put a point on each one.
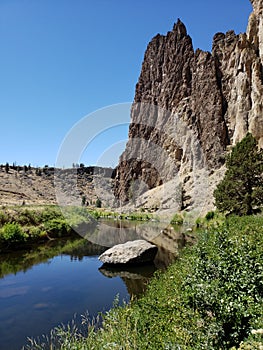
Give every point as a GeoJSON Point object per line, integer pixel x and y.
{"type": "Point", "coordinates": [189, 108]}
{"type": "Point", "coordinates": [129, 253]}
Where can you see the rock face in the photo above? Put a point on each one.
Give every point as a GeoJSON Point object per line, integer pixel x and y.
{"type": "Point", "coordinates": [130, 253]}
{"type": "Point", "coordinates": [190, 107]}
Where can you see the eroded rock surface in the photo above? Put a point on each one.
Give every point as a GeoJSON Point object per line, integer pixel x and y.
{"type": "Point", "coordinates": [189, 108]}
{"type": "Point", "coordinates": [130, 253]}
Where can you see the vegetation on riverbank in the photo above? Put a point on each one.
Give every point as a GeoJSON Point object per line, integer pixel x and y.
{"type": "Point", "coordinates": [25, 224]}
{"type": "Point", "coordinates": [20, 225]}
{"type": "Point", "coordinates": [133, 216]}
{"type": "Point", "coordinates": [210, 298]}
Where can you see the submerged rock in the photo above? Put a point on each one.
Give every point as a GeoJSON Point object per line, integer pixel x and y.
{"type": "Point", "coordinates": [132, 253]}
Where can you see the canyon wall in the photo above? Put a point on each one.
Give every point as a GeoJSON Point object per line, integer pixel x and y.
{"type": "Point", "coordinates": [189, 108]}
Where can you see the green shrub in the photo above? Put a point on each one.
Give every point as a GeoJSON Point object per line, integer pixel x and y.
{"type": "Point", "coordinates": [13, 233]}
{"type": "Point", "coordinates": [76, 216]}
{"type": "Point", "coordinates": [27, 217]}
{"type": "Point", "coordinates": [36, 232]}
{"type": "Point", "coordinates": [210, 215]}
{"type": "Point", "coordinates": [98, 203]}
{"type": "Point", "coordinates": [57, 227]}
{"type": "Point", "coordinates": [50, 213]}
{"type": "Point", "coordinates": [225, 286]}
{"type": "Point", "coordinates": [177, 219]}
{"type": "Point", "coordinates": [3, 218]}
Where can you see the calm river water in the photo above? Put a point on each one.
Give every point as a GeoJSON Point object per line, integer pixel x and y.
{"type": "Point", "coordinates": [48, 284]}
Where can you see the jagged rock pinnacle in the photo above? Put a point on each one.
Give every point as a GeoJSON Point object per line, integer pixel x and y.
{"type": "Point", "coordinates": [218, 95]}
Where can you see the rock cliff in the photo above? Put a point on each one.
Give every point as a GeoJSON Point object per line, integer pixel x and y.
{"type": "Point", "coordinates": [189, 108]}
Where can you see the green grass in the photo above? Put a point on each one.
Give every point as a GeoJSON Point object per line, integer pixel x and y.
{"type": "Point", "coordinates": [20, 224]}
{"type": "Point", "coordinates": [48, 222]}
{"type": "Point", "coordinates": [210, 298]}
{"type": "Point", "coordinates": [135, 216]}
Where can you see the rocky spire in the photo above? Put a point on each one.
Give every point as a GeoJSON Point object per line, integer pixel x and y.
{"type": "Point", "coordinates": [218, 95]}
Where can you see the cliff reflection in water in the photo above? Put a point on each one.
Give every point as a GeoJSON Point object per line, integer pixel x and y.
{"type": "Point", "coordinates": [168, 240]}
{"type": "Point", "coordinates": [135, 278]}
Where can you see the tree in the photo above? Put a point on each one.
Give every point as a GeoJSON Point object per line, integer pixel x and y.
{"type": "Point", "coordinates": [98, 203]}
{"type": "Point", "coordinates": [7, 167]}
{"type": "Point", "coordinates": [241, 190]}
{"type": "Point", "coordinates": [83, 200]}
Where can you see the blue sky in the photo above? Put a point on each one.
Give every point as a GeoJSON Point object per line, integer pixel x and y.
{"type": "Point", "coordinates": [64, 59]}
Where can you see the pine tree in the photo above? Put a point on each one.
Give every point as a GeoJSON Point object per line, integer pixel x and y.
{"type": "Point", "coordinates": [241, 190]}
{"type": "Point", "coordinates": [7, 168]}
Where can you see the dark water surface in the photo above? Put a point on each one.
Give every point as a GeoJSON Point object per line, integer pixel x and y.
{"type": "Point", "coordinates": [47, 285]}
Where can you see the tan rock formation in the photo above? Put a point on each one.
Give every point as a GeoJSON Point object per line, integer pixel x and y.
{"type": "Point", "coordinates": [188, 108]}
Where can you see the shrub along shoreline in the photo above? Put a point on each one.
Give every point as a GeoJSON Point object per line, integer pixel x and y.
{"type": "Point", "coordinates": [22, 225]}
{"type": "Point", "coordinates": [210, 298]}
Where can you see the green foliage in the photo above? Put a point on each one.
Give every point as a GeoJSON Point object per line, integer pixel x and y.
{"type": "Point", "coordinates": [98, 203]}
{"type": "Point", "coordinates": [77, 216]}
{"type": "Point", "coordinates": [36, 232]}
{"type": "Point", "coordinates": [177, 219]}
{"type": "Point", "coordinates": [57, 227]}
{"type": "Point", "coordinates": [210, 215]}
{"type": "Point", "coordinates": [40, 222]}
{"type": "Point", "coordinates": [50, 213]}
{"type": "Point", "coordinates": [38, 172]}
{"type": "Point", "coordinates": [210, 298]}
{"type": "Point", "coordinates": [3, 218]}
{"type": "Point", "coordinates": [225, 286]}
{"type": "Point", "coordinates": [12, 233]}
{"type": "Point", "coordinates": [241, 190]}
{"type": "Point", "coordinates": [83, 200]}
{"type": "Point", "coordinates": [27, 217]}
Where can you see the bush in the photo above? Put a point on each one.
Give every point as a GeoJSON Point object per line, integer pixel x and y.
{"type": "Point", "coordinates": [225, 286]}
{"type": "Point", "coordinates": [36, 232]}
{"type": "Point", "coordinates": [13, 233]}
{"type": "Point", "coordinates": [98, 203]}
{"type": "Point", "coordinates": [27, 217]}
{"type": "Point", "coordinates": [177, 219]}
{"type": "Point", "coordinates": [50, 213]}
{"type": "Point", "coordinates": [210, 215]}
{"type": "Point", "coordinates": [57, 227]}
{"type": "Point", "coordinates": [3, 218]}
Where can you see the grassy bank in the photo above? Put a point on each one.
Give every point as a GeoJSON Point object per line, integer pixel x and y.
{"type": "Point", "coordinates": [211, 298]}
{"type": "Point", "coordinates": [20, 225]}
{"type": "Point", "coordinates": [25, 224]}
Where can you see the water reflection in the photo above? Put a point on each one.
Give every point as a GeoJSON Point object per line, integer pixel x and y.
{"type": "Point", "coordinates": [48, 283]}
{"type": "Point", "coordinates": [168, 240]}
{"type": "Point", "coordinates": [134, 277]}
{"type": "Point", "coordinates": [12, 262]}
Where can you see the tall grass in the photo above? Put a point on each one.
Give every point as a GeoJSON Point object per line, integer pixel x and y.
{"type": "Point", "coordinates": [210, 298]}
{"type": "Point", "coordinates": [38, 223]}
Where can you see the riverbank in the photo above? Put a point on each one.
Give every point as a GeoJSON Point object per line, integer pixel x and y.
{"type": "Point", "coordinates": [210, 298]}
{"type": "Point", "coordinates": [22, 225]}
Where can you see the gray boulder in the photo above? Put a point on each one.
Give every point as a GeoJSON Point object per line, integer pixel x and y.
{"type": "Point", "coordinates": [132, 253]}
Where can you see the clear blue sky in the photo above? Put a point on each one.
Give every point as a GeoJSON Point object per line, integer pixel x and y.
{"type": "Point", "coordinates": [63, 59]}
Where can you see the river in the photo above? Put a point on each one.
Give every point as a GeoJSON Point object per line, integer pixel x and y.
{"type": "Point", "coordinates": [48, 284]}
